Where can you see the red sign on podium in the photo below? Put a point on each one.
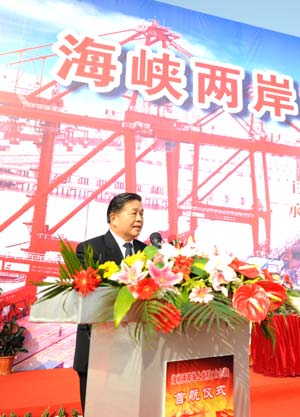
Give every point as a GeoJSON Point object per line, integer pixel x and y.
{"type": "Point", "coordinates": [202, 386]}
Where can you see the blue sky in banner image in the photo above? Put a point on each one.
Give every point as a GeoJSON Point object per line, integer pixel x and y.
{"type": "Point", "coordinates": [35, 23]}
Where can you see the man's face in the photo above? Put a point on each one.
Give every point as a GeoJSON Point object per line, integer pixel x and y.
{"type": "Point", "coordinates": [128, 222]}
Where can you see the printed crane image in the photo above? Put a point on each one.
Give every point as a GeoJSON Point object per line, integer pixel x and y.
{"type": "Point", "coordinates": [194, 169]}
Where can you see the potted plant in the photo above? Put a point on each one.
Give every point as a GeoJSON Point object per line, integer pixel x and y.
{"type": "Point", "coordinates": [11, 342]}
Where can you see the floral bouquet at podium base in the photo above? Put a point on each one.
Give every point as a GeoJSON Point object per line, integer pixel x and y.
{"type": "Point", "coordinates": [164, 290]}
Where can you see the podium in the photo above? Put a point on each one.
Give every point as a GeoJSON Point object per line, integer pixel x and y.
{"type": "Point", "coordinates": [126, 379]}
{"type": "Point", "coordinates": [178, 375]}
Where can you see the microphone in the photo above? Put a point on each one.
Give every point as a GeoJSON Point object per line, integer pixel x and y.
{"type": "Point", "coordinates": [156, 239]}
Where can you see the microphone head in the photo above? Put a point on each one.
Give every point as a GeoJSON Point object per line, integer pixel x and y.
{"type": "Point", "coordinates": [156, 239]}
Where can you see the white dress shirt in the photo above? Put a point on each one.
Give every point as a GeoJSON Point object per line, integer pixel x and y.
{"type": "Point", "coordinates": [121, 242]}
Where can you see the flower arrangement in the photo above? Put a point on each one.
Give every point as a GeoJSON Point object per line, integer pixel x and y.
{"type": "Point", "coordinates": [12, 339]}
{"type": "Point", "coordinates": [175, 287]}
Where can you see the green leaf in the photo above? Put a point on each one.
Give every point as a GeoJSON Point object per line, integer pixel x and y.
{"type": "Point", "coordinates": [293, 292]}
{"type": "Point", "coordinates": [215, 312]}
{"type": "Point", "coordinates": [150, 251]}
{"type": "Point", "coordinates": [268, 330]}
{"type": "Point", "coordinates": [198, 267]}
{"type": "Point", "coordinates": [42, 283]}
{"type": "Point", "coordinates": [145, 321]}
{"type": "Point", "coordinates": [122, 305]}
{"type": "Point", "coordinates": [52, 291]}
{"type": "Point", "coordinates": [201, 273]}
{"type": "Point", "coordinates": [146, 314]}
{"type": "Point", "coordinates": [70, 259]}
{"type": "Point", "coordinates": [89, 258]}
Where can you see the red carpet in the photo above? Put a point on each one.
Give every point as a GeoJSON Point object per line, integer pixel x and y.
{"type": "Point", "coordinates": [274, 397]}
{"type": "Point", "coordinates": [34, 391]}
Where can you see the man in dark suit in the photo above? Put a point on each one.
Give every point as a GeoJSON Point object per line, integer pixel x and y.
{"type": "Point", "coordinates": [125, 216]}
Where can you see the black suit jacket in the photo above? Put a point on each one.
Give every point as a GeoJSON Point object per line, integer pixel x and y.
{"type": "Point", "coordinates": [105, 249]}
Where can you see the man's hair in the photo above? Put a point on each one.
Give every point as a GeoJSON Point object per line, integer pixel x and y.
{"type": "Point", "coordinates": [118, 202]}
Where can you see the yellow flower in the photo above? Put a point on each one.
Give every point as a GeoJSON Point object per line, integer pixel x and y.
{"type": "Point", "coordinates": [139, 256]}
{"type": "Point", "coordinates": [108, 268]}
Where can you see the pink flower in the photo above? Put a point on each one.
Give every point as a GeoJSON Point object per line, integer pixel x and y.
{"type": "Point", "coordinates": [225, 276]}
{"type": "Point", "coordinates": [201, 294]}
{"type": "Point", "coordinates": [164, 277]}
{"type": "Point", "coordinates": [130, 275]}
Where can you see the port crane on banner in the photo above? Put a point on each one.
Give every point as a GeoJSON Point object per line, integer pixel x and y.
{"type": "Point", "coordinates": [37, 114]}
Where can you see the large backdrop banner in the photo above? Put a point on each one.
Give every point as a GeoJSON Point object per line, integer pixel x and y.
{"type": "Point", "coordinates": [198, 114]}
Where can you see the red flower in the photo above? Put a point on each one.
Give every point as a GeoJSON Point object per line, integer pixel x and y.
{"type": "Point", "coordinates": [243, 268]}
{"type": "Point", "coordinates": [252, 302]}
{"type": "Point", "coordinates": [168, 319]}
{"type": "Point", "coordinates": [288, 280]}
{"type": "Point", "coordinates": [275, 291]}
{"type": "Point", "coordinates": [86, 281]}
{"type": "Point", "coordinates": [182, 264]}
{"type": "Point", "coordinates": [145, 288]}
{"type": "Point", "coordinates": [267, 274]}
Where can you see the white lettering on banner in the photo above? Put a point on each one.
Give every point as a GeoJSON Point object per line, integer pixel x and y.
{"type": "Point", "coordinates": [161, 74]}
{"type": "Point", "coordinates": [156, 75]}
{"type": "Point", "coordinates": [218, 83]}
{"type": "Point", "coordinates": [86, 59]}
{"type": "Point", "coordinates": [15, 266]}
{"type": "Point", "coordinates": [295, 205]}
{"type": "Point", "coordinates": [275, 93]}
